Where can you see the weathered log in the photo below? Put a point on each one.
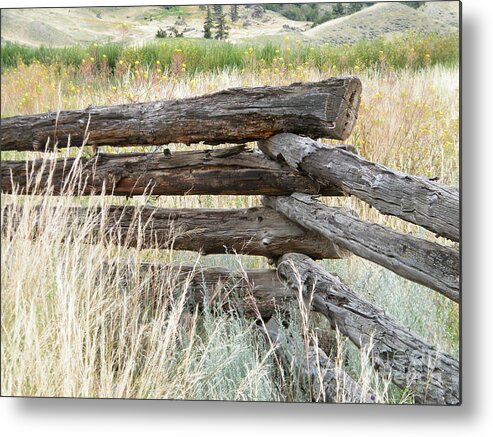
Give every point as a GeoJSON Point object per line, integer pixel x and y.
{"type": "Point", "coordinates": [414, 199]}
{"type": "Point", "coordinates": [254, 293]}
{"type": "Point", "coordinates": [425, 262]}
{"type": "Point", "coordinates": [432, 376]}
{"type": "Point", "coordinates": [322, 109]}
{"type": "Point", "coordinates": [232, 170]}
{"type": "Point", "coordinates": [253, 231]}
{"type": "Point", "coordinates": [329, 382]}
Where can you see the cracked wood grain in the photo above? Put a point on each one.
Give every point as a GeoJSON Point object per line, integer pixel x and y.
{"type": "Point", "coordinates": [425, 262]}
{"type": "Point", "coordinates": [322, 109]}
{"type": "Point", "coordinates": [253, 231]}
{"type": "Point", "coordinates": [232, 171]}
{"type": "Point", "coordinates": [431, 375]}
{"type": "Point", "coordinates": [411, 198]}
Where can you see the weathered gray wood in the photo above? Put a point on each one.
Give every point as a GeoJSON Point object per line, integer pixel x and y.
{"type": "Point", "coordinates": [233, 170]}
{"type": "Point", "coordinates": [254, 293]}
{"type": "Point", "coordinates": [329, 383]}
{"type": "Point", "coordinates": [414, 199]}
{"type": "Point", "coordinates": [323, 109]}
{"type": "Point", "coordinates": [421, 261]}
{"type": "Point", "coordinates": [432, 376]}
{"type": "Point", "coordinates": [254, 231]}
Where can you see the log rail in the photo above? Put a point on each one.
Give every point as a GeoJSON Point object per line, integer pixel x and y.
{"type": "Point", "coordinates": [226, 171]}
{"type": "Point", "coordinates": [422, 261]}
{"type": "Point", "coordinates": [292, 228]}
{"type": "Point", "coordinates": [256, 231]}
{"type": "Point", "coordinates": [414, 199]}
{"type": "Point", "coordinates": [322, 109]}
{"type": "Point", "coordinates": [253, 292]}
{"type": "Point", "coordinates": [432, 376]}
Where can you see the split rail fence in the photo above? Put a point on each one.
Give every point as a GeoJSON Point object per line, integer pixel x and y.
{"type": "Point", "coordinates": [292, 227]}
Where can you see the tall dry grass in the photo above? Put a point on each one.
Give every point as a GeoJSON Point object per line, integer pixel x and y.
{"type": "Point", "coordinates": [68, 330]}
{"type": "Point", "coordinates": [72, 328]}
{"type": "Point", "coordinates": [81, 318]}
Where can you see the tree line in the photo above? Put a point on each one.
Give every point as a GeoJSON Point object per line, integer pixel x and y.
{"type": "Point", "coordinates": [319, 13]}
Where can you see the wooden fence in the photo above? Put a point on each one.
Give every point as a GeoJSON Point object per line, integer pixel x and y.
{"type": "Point", "coordinates": [292, 228]}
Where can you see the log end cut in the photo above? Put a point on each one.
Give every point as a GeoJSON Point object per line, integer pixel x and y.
{"type": "Point", "coordinates": [346, 112]}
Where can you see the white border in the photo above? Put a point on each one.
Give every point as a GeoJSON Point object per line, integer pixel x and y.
{"type": "Point", "coordinates": [156, 418]}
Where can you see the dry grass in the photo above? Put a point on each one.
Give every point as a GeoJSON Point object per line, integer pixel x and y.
{"type": "Point", "coordinates": [71, 328]}
{"type": "Point", "coordinates": [67, 330]}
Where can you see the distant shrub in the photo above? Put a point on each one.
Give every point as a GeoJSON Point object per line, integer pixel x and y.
{"type": "Point", "coordinates": [161, 33]}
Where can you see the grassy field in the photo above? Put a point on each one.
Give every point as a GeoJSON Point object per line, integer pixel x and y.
{"type": "Point", "coordinates": [67, 330]}
{"type": "Point", "coordinates": [407, 51]}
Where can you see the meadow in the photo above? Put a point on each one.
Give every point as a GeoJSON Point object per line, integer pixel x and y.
{"type": "Point", "coordinates": [408, 51]}
{"type": "Point", "coordinates": [67, 330]}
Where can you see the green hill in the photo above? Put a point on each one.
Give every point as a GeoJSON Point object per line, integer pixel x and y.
{"type": "Point", "coordinates": [388, 19]}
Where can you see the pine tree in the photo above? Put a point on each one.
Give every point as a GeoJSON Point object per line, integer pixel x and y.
{"type": "Point", "coordinates": [220, 19]}
{"type": "Point", "coordinates": [354, 7]}
{"type": "Point", "coordinates": [221, 28]}
{"type": "Point", "coordinates": [208, 23]}
{"type": "Point", "coordinates": [218, 10]}
{"type": "Point", "coordinates": [339, 10]}
{"type": "Point", "coordinates": [234, 13]}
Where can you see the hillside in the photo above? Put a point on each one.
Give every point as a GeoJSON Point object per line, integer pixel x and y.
{"type": "Point", "coordinates": [388, 19]}
{"type": "Point", "coordinates": [132, 25]}
{"type": "Point", "coordinates": [136, 25]}
{"type": "Point", "coordinates": [443, 12]}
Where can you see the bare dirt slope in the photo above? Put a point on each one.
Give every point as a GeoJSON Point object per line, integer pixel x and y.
{"type": "Point", "coordinates": [134, 25]}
